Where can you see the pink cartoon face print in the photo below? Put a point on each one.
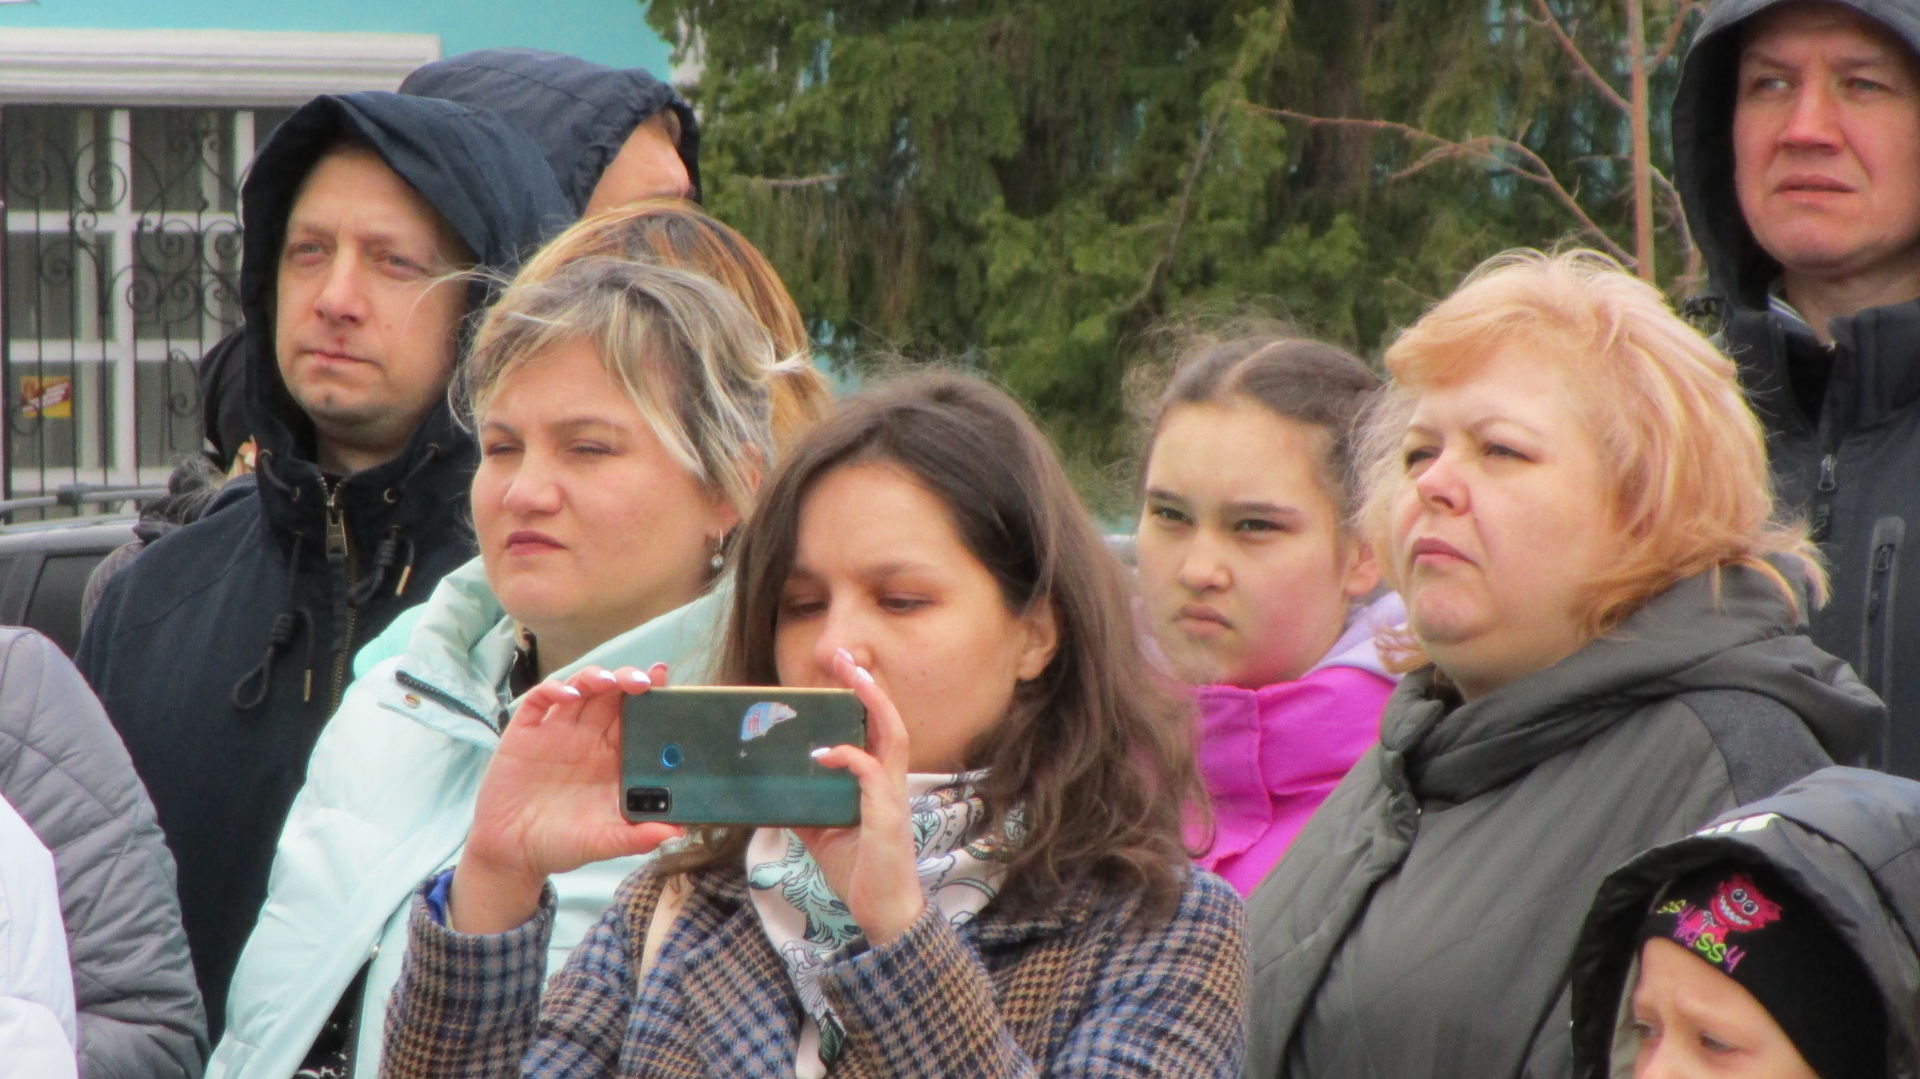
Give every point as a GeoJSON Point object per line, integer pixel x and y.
{"type": "Point", "coordinates": [1740, 907]}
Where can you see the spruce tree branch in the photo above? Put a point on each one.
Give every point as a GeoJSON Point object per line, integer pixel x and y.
{"type": "Point", "coordinates": [1572, 49]}
{"type": "Point", "coordinates": [1491, 150]}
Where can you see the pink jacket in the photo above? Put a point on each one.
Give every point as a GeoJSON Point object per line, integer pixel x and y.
{"type": "Point", "coordinates": [1269, 756]}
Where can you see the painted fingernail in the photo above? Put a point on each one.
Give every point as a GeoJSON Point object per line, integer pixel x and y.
{"type": "Point", "coordinates": [570, 691]}
{"type": "Point", "coordinates": [863, 674]}
{"type": "Point", "coordinates": [606, 676]}
{"type": "Point", "coordinates": [841, 653]}
{"type": "Point", "coordinates": [820, 751]}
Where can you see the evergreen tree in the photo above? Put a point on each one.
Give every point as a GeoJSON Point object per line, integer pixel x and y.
{"type": "Point", "coordinates": [1027, 186]}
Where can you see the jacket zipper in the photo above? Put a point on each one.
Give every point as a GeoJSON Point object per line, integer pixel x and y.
{"type": "Point", "coordinates": [442, 696]}
{"type": "Point", "coordinates": [340, 561]}
{"type": "Point", "coordinates": [1877, 625]}
{"type": "Point", "coordinates": [1823, 498]}
{"type": "Point", "coordinates": [1821, 519]}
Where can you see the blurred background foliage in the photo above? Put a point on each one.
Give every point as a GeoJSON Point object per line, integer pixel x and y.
{"type": "Point", "coordinates": [1026, 188]}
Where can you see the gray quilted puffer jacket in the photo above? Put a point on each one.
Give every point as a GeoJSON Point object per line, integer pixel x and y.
{"type": "Point", "coordinates": [63, 768]}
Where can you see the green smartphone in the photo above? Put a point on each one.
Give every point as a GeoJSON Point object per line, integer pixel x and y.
{"type": "Point", "coordinates": [739, 755]}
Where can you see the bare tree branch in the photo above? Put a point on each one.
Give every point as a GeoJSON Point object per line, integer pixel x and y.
{"type": "Point", "coordinates": [789, 181]}
{"type": "Point", "coordinates": [1491, 150]}
{"type": "Point", "coordinates": [1677, 218]}
{"type": "Point", "coordinates": [1572, 49]}
{"type": "Point", "coordinates": [1682, 12]}
{"type": "Point", "coordinates": [1157, 273]}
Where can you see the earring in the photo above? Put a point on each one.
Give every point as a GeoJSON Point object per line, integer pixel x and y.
{"type": "Point", "coordinates": [719, 560]}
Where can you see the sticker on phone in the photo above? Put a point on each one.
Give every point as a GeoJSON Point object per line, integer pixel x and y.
{"type": "Point", "coordinates": [763, 717]}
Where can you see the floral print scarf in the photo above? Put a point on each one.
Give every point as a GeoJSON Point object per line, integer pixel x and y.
{"type": "Point", "coordinates": [961, 866]}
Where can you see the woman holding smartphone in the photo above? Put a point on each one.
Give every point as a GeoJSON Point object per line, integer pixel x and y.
{"type": "Point", "coordinates": [1016, 898]}
{"type": "Point", "coordinates": [623, 414]}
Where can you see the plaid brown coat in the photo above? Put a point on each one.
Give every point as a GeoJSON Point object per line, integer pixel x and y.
{"type": "Point", "coordinates": [1074, 992]}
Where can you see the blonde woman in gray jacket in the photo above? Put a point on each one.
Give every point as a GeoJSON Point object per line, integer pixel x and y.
{"type": "Point", "coordinates": [1572, 497]}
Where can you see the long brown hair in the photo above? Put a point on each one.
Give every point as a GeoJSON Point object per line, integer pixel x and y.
{"type": "Point", "coordinates": [1096, 753]}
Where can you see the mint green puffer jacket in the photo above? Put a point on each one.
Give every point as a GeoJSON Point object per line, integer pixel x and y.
{"type": "Point", "coordinates": [387, 802]}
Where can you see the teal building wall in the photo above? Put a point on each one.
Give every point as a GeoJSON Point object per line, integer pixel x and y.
{"type": "Point", "coordinates": [611, 32]}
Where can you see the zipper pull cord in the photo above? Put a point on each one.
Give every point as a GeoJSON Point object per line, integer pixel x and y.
{"type": "Point", "coordinates": [251, 690]}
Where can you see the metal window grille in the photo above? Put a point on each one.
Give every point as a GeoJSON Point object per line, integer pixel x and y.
{"type": "Point", "coordinates": [119, 267]}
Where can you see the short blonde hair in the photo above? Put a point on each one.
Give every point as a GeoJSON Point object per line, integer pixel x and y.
{"type": "Point", "coordinates": [678, 233]}
{"type": "Point", "coordinates": [685, 349]}
{"type": "Point", "coordinates": [1684, 456]}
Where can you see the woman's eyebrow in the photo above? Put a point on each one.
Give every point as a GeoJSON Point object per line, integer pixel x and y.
{"type": "Point", "coordinates": [1479, 425]}
{"type": "Point", "coordinates": [1263, 509]}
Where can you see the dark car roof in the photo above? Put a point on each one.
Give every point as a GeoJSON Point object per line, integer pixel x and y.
{"type": "Point", "coordinates": [44, 567]}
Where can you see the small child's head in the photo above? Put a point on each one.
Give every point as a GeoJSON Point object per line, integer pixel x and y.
{"type": "Point", "coordinates": [1742, 976]}
{"type": "Point", "coordinates": [1247, 562]}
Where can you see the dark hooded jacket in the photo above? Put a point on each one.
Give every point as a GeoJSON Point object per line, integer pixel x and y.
{"type": "Point", "coordinates": [1848, 840]}
{"type": "Point", "coordinates": [1849, 461]}
{"type": "Point", "coordinates": [221, 651]}
{"type": "Point", "coordinates": [1421, 923]}
{"type": "Point", "coordinates": [578, 111]}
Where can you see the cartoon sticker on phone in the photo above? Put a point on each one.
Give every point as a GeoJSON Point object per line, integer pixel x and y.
{"type": "Point", "coordinates": [763, 717]}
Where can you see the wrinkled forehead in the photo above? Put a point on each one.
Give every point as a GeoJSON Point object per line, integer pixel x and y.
{"type": "Point", "coordinates": [351, 176]}
{"type": "Point", "coordinates": [1783, 23]}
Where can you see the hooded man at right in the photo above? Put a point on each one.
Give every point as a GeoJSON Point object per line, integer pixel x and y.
{"type": "Point", "coordinates": [1796, 137]}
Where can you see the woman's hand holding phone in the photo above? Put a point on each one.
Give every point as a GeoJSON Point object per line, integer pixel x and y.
{"type": "Point", "coordinates": [544, 805]}
{"type": "Point", "coordinates": [872, 866]}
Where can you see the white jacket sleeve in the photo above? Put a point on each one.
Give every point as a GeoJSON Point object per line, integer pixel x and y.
{"type": "Point", "coordinates": [37, 1034]}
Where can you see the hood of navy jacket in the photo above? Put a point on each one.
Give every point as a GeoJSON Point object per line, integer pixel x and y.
{"type": "Point", "coordinates": [1731, 630]}
{"type": "Point", "coordinates": [1846, 839]}
{"type": "Point", "coordinates": [579, 112]}
{"type": "Point", "coordinates": [1737, 268]}
{"type": "Point", "coordinates": [487, 181]}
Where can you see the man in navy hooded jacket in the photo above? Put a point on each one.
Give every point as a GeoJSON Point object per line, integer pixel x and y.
{"type": "Point", "coordinates": [611, 136]}
{"type": "Point", "coordinates": [222, 650]}
{"type": "Point", "coordinates": [1796, 141]}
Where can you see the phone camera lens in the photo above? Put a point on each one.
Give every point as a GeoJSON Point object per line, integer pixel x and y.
{"type": "Point", "coordinates": [645, 800]}
{"type": "Point", "coordinates": [670, 756]}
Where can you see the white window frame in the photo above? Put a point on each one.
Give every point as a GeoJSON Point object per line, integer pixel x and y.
{"type": "Point", "coordinates": [119, 69]}
{"type": "Point", "coordinates": [231, 68]}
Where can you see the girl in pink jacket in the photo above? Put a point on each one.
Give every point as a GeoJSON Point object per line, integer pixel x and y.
{"type": "Point", "coordinates": [1256, 589]}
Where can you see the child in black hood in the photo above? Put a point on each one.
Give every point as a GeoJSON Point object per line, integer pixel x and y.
{"type": "Point", "coordinates": [1778, 941]}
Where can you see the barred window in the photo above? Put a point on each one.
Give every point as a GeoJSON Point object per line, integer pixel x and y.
{"type": "Point", "coordinates": [119, 267]}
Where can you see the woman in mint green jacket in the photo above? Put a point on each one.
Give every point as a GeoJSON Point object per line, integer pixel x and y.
{"type": "Point", "coordinates": [624, 411]}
